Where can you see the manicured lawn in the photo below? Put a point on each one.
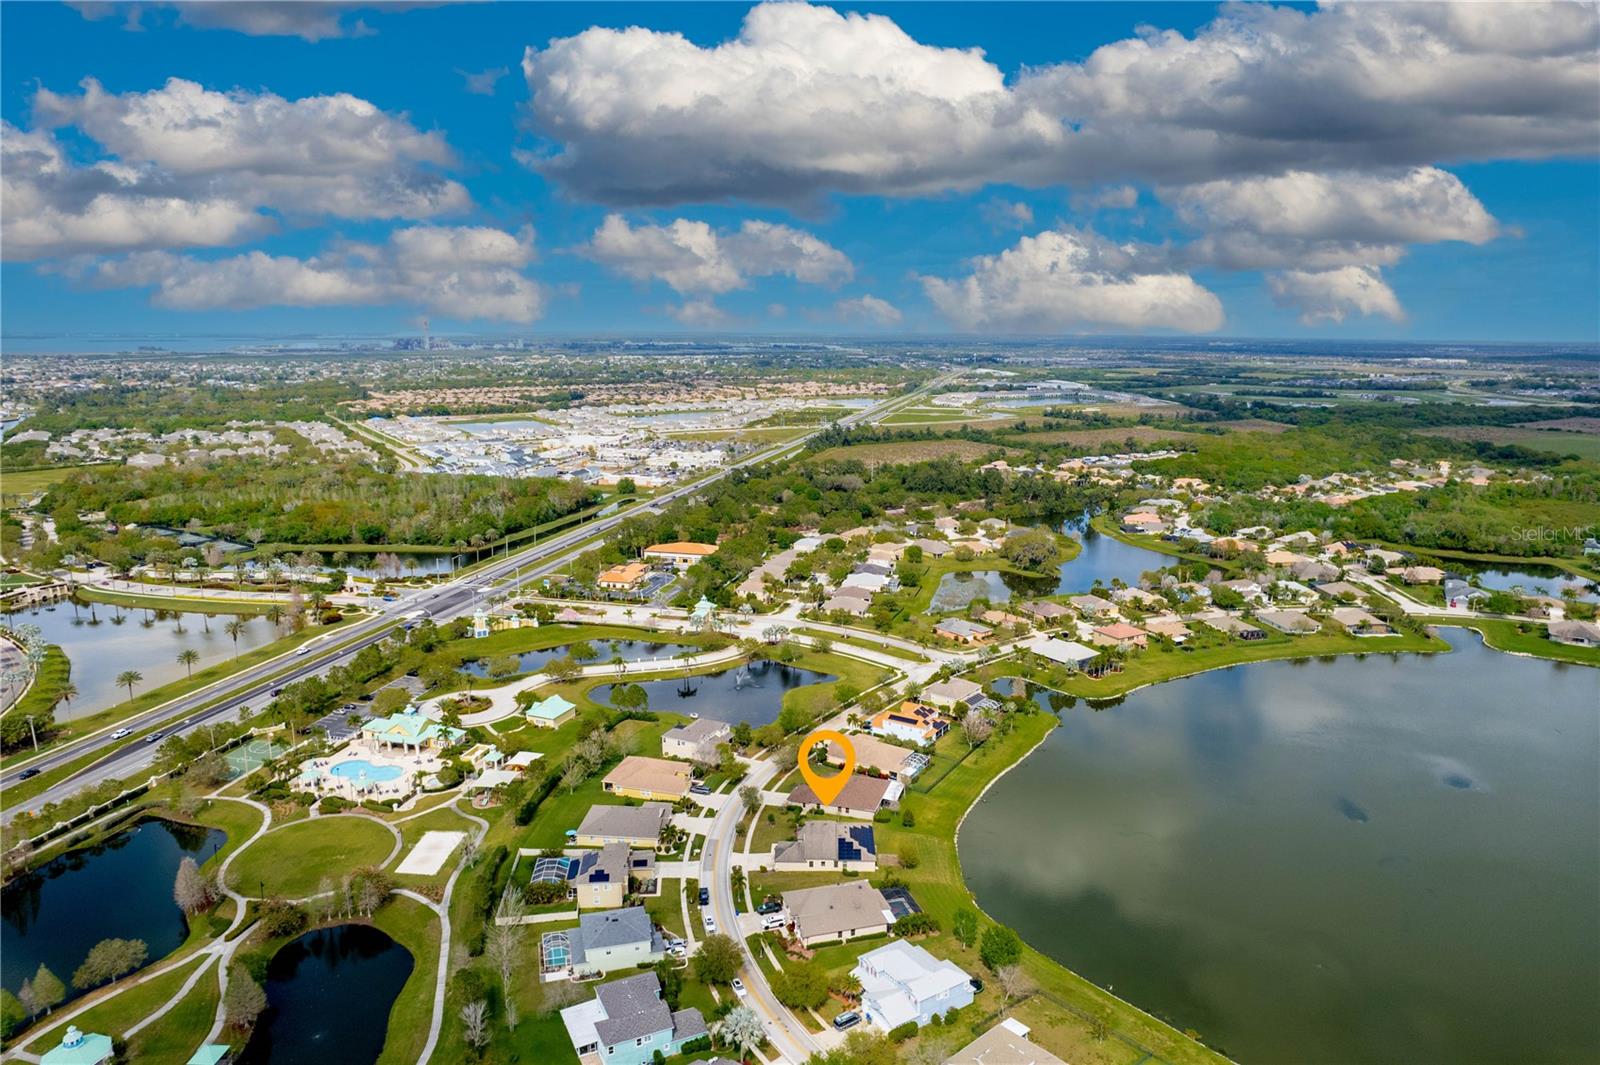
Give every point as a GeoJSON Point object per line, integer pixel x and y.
{"type": "Point", "coordinates": [291, 861]}
{"type": "Point", "coordinates": [1509, 636]}
{"type": "Point", "coordinates": [415, 927]}
{"type": "Point", "coordinates": [666, 909]}
{"type": "Point", "coordinates": [865, 642]}
{"type": "Point", "coordinates": [120, 1009]}
{"type": "Point", "coordinates": [179, 1034]}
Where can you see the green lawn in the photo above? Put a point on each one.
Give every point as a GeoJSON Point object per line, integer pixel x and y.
{"type": "Point", "coordinates": [1510, 636]}
{"type": "Point", "coordinates": [199, 603]}
{"type": "Point", "coordinates": [27, 482]}
{"type": "Point", "coordinates": [415, 927]}
{"type": "Point", "coordinates": [291, 861]}
{"type": "Point", "coordinates": [120, 1007]}
{"type": "Point", "coordinates": [179, 1034]}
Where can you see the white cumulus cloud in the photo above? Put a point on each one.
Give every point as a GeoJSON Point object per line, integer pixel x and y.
{"type": "Point", "coordinates": [868, 309]}
{"type": "Point", "coordinates": [1070, 281]}
{"type": "Point", "coordinates": [693, 257]}
{"type": "Point", "coordinates": [1334, 295]}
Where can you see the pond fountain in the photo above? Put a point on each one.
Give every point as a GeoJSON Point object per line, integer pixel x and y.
{"type": "Point", "coordinates": [752, 692]}
{"type": "Point", "coordinates": [102, 640]}
{"type": "Point", "coordinates": [605, 651]}
{"type": "Point", "coordinates": [120, 887]}
{"type": "Point", "coordinates": [329, 994]}
{"type": "Point", "coordinates": [1343, 860]}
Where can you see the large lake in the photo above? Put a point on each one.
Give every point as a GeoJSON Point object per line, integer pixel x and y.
{"type": "Point", "coordinates": [100, 646]}
{"type": "Point", "coordinates": [1342, 861]}
{"type": "Point", "coordinates": [119, 888]}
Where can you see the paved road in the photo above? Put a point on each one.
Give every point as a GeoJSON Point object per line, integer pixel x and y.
{"type": "Point", "coordinates": [246, 690]}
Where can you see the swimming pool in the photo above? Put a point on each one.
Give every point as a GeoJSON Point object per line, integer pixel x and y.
{"type": "Point", "coordinates": [361, 768]}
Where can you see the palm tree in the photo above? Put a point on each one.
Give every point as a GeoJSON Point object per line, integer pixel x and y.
{"type": "Point", "coordinates": [206, 620]}
{"type": "Point", "coordinates": [69, 693]}
{"type": "Point", "coordinates": [188, 657]}
{"type": "Point", "coordinates": [274, 615]}
{"type": "Point", "coordinates": [128, 678]}
{"type": "Point", "coordinates": [234, 628]}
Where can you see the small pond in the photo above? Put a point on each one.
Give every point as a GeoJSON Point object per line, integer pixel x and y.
{"type": "Point", "coordinates": [119, 888]}
{"type": "Point", "coordinates": [628, 650]}
{"type": "Point", "coordinates": [752, 693]}
{"type": "Point", "coordinates": [1104, 559]}
{"type": "Point", "coordinates": [1529, 578]}
{"type": "Point", "coordinates": [329, 994]}
{"type": "Point", "coordinates": [102, 640]}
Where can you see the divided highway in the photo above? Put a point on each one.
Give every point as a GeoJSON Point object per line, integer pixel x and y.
{"type": "Point", "coordinates": [227, 698]}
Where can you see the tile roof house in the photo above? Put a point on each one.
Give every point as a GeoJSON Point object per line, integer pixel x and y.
{"type": "Point", "coordinates": [1092, 605]}
{"type": "Point", "coordinates": [955, 693]}
{"type": "Point", "coordinates": [1358, 622]}
{"type": "Point", "coordinates": [902, 983]}
{"type": "Point", "coordinates": [1004, 1044]}
{"type": "Point", "coordinates": [680, 553]}
{"type": "Point", "coordinates": [837, 912]}
{"type": "Point", "coordinates": [1045, 611]}
{"type": "Point", "coordinates": [637, 826]}
{"type": "Point", "coordinates": [1171, 627]}
{"type": "Point", "coordinates": [608, 940]}
{"type": "Point", "coordinates": [648, 778]}
{"type": "Point", "coordinates": [1120, 634]}
{"type": "Point", "coordinates": [847, 605]}
{"type": "Point", "coordinates": [1422, 574]}
{"type": "Point", "coordinates": [1574, 633]}
{"type": "Point", "coordinates": [1234, 627]}
{"type": "Point", "coordinates": [829, 845]}
{"type": "Point", "coordinates": [623, 578]}
{"type": "Point", "coordinates": [627, 1023]}
{"type": "Point", "coordinates": [861, 797]}
{"type": "Point", "coordinates": [1341, 590]}
{"type": "Point", "coordinates": [697, 741]}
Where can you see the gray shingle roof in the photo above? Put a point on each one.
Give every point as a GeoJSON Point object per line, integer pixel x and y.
{"type": "Point", "coordinates": [633, 1009]}
{"type": "Point", "coordinates": [632, 822]}
{"type": "Point", "coordinates": [613, 928]}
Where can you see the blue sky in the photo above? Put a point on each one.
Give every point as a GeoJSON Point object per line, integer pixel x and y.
{"type": "Point", "coordinates": [826, 173]}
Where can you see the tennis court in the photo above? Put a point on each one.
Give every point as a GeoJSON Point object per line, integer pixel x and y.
{"type": "Point", "coordinates": [251, 756]}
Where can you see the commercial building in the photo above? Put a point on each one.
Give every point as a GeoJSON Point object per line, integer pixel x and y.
{"type": "Point", "coordinates": [680, 554]}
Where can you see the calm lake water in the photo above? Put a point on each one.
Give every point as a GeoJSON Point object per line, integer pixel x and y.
{"type": "Point", "coordinates": [752, 693]}
{"type": "Point", "coordinates": [956, 591]}
{"type": "Point", "coordinates": [328, 998]}
{"type": "Point", "coordinates": [1531, 579]}
{"type": "Point", "coordinates": [1342, 861]}
{"type": "Point", "coordinates": [630, 650]}
{"type": "Point", "coordinates": [1105, 559]}
{"type": "Point", "coordinates": [148, 641]}
{"type": "Point", "coordinates": [120, 888]}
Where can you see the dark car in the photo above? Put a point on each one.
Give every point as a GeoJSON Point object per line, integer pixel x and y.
{"type": "Point", "coordinates": [27, 774]}
{"type": "Point", "coordinates": [276, 692]}
{"type": "Point", "coordinates": [770, 906]}
{"type": "Point", "coordinates": [705, 896]}
{"type": "Point", "coordinates": [153, 737]}
{"type": "Point", "coordinates": [698, 788]}
{"type": "Point", "coordinates": [846, 1020]}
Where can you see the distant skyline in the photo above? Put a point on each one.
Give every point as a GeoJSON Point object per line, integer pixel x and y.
{"type": "Point", "coordinates": [1412, 173]}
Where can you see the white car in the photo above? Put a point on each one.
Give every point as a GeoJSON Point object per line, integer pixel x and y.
{"type": "Point", "coordinates": [122, 733]}
{"type": "Point", "coordinates": [738, 987]}
{"type": "Point", "coordinates": [711, 924]}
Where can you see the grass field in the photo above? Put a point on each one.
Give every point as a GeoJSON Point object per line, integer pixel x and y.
{"type": "Point", "coordinates": [416, 928]}
{"type": "Point", "coordinates": [903, 451]}
{"type": "Point", "coordinates": [120, 1010]}
{"type": "Point", "coordinates": [1583, 444]}
{"type": "Point", "coordinates": [291, 861]}
{"type": "Point", "coordinates": [179, 1034]}
{"type": "Point", "coordinates": [27, 482]}
{"type": "Point", "coordinates": [1102, 438]}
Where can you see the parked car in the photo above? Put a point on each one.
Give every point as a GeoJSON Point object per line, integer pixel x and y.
{"type": "Point", "coordinates": [847, 1020]}
{"type": "Point", "coordinates": [711, 925]}
{"type": "Point", "coordinates": [705, 896]}
{"type": "Point", "coordinates": [977, 985]}
{"type": "Point", "coordinates": [769, 906]}
{"type": "Point", "coordinates": [738, 987]}
{"type": "Point", "coordinates": [698, 788]}
{"type": "Point", "coordinates": [771, 921]}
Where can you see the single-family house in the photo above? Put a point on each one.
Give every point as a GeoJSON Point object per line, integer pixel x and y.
{"type": "Point", "coordinates": [953, 694]}
{"type": "Point", "coordinates": [1574, 633]}
{"type": "Point", "coordinates": [1119, 634]}
{"type": "Point", "coordinates": [1234, 626]}
{"type": "Point", "coordinates": [697, 741]}
{"type": "Point", "coordinates": [933, 548]}
{"type": "Point", "coordinates": [902, 983]}
{"type": "Point", "coordinates": [911, 722]}
{"type": "Point", "coordinates": [1422, 574]}
{"type": "Point", "coordinates": [627, 1023]}
{"type": "Point", "coordinates": [1046, 612]}
{"type": "Point", "coordinates": [551, 712]}
{"type": "Point", "coordinates": [1250, 590]}
{"type": "Point", "coordinates": [623, 578]}
{"type": "Point", "coordinates": [1140, 598]}
{"type": "Point", "coordinates": [837, 912]}
{"type": "Point", "coordinates": [874, 754]}
{"type": "Point", "coordinates": [1064, 652]}
{"type": "Point", "coordinates": [827, 845]}
{"type": "Point", "coordinates": [1458, 592]}
{"type": "Point", "coordinates": [1314, 571]}
{"type": "Point", "coordinates": [1168, 626]}
{"type": "Point", "coordinates": [1358, 622]}
{"type": "Point", "coordinates": [861, 797]}
{"type": "Point", "coordinates": [1093, 606]}
{"type": "Point", "coordinates": [680, 554]}
{"type": "Point", "coordinates": [639, 777]}
{"type": "Point", "coordinates": [1293, 622]}
{"type": "Point", "coordinates": [1005, 1044]}
{"type": "Point", "coordinates": [1001, 617]}
{"type": "Point", "coordinates": [600, 878]}
{"type": "Point", "coordinates": [1341, 590]}
{"type": "Point", "coordinates": [962, 631]}
{"type": "Point", "coordinates": [1143, 521]}
{"type": "Point", "coordinates": [636, 826]}
{"type": "Point", "coordinates": [870, 582]}
{"type": "Point", "coordinates": [608, 940]}
{"type": "Point", "coordinates": [845, 604]}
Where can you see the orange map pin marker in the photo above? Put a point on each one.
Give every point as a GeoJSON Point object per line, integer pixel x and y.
{"type": "Point", "coordinates": [827, 789]}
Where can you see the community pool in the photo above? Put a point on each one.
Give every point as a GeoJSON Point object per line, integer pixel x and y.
{"type": "Point", "coordinates": [361, 768]}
